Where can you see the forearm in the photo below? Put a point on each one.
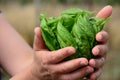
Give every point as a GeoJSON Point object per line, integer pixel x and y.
{"type": "Point", "coordinates": [24, 75]}
{"type": "Point", "coordinates": [15, 53]}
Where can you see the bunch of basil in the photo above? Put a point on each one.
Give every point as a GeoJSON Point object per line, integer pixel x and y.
{"type": "Point", "coordinates": [74, 27]}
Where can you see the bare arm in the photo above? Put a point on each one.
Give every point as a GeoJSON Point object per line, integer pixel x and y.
{"type": "Point", "coordinates": [15, 53]}
{"type": "Point", "coordinates": [24, 75]}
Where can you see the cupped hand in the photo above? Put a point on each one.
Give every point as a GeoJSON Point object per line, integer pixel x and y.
{"type": "Point", "coordinates": [48, 65]}
{"type": "Point", "coordinates": [100, 50]}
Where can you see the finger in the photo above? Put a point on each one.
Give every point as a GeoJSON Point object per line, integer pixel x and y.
{"type": "Point", "coordinates": [59, 55]}
{"type": "Point", "coordinates": [102, 37]}
{"type": "Point", "coordinates": [95, 75]}
{"type": "Point", "coordinates": [69, 66]}
{"type": "Point", "coordinates": [97, 63]}
{"type": "Point", "coordinates": [77, 74]}
{"type": "Point", "coordinates": [38, 40]}
{"type": "Point", "coordinates": [105, 12]}
{"type": "Point", "coordinates": [100, 50]}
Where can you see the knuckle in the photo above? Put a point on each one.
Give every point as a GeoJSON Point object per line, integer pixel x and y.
{"type": "Point", "coordinates": [44, 60]}
{"type": "Point", "coordinates": [55, 55]}
{"type": "Point", "coordinates": [103, 60]}
{"type": "Point", "coordinates": [52, 70]}
{"type": "Point", "coordinates": [53, 58]}
{"type": "Point", "coordinates": [53, 74]}
{"type": "Point", "coordinates": [63, 69]}
{"type": "Point", "coordinates": [100, 63]}
{"type": "Point", "coordinates": [89, 69]}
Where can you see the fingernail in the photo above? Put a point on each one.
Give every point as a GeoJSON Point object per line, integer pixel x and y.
{"type": "Point", "coordinates": [83, 63]}
{"type": "Point", "coordinates": [71, 51]}
{"type": "Point", "coordinates": [89, 70]}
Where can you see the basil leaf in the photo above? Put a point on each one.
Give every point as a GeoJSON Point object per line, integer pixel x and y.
{"type": "Point", "coordinates": [74, 27]}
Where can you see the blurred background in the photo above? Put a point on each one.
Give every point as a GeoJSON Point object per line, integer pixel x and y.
{"type": "Point", "coordinates": [23, 15]}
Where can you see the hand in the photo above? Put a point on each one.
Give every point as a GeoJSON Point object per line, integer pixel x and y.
{"type": "Point", "coordinates": [48, 65]}
{"type": "Point", "coordinates": [100, 50]}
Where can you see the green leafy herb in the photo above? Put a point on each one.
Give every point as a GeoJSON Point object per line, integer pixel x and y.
{"type": "Point", "coordinates": [74, 27]}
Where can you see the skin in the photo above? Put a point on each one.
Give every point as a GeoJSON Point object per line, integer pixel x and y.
{"type": "Point", "coordinates": [99, 51]}
{"type": "Point", "coordinates": [14, 51]}
{"type": "Point", "coordinates": [44, 64]}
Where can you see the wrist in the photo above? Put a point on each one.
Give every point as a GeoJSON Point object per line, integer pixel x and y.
{"type": "Point", "coordinates": [33, 77]}
{"type": "Point", "coordinates": [25, 75]}
{"type": "Point", "coordinates": [20, 68]}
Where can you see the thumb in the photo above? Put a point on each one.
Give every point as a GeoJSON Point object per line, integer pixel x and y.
{"type": "Point", "coordinates": [38, 40]}
{"type": "Point", "coordinates": [105, 12]}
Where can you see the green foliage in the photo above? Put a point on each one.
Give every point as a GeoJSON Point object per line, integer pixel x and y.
{"type": "Point", "coordinates": [23, 2]}
{"type": "Point", "coordinates": [19, 1]}
{"type": "Point", "coordinates": [74, 27]}
{"type": "Point", "coordinates": [111, 2]}
{"type": "Point", "coordinates": [3, 75]}
{"type": "Point", "coordinates": [62, 1]}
